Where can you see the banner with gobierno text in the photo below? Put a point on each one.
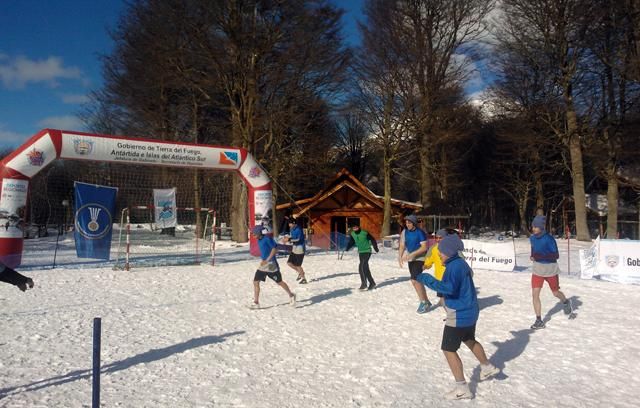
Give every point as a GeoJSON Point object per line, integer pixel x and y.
{"type": "Point", "coordinates": [614, 260]}
{"type": "Point", "coordinates": [94, 208]}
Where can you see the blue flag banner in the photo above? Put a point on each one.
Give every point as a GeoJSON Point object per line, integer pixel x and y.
{"type": "Point", "coordinates": [94, 209]}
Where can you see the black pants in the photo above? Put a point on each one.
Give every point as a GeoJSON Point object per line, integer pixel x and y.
{"type": "Point", "coordinates": [363, 268]}
{"type": "Point", "coordinates": [11, 276]}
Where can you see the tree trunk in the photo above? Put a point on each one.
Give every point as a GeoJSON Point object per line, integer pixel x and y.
{"type": "Point", "coordinates": [539, 192]}
{"type": "Point", "coordinates": [239, 210]}
{"type": "Point", "coordinates": [612, 203]}
{"type": "Point", "coordinates": [522, 213]}
{"type": "Point", "coordinates": [386, 220]}
{"type": "Point", "coordinates": [577, 173]}
{"type": "Point", "coordinates": [426, 186]}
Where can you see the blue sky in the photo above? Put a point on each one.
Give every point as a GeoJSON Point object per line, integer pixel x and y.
{"type": "Point", "coordinates": [50, 60]}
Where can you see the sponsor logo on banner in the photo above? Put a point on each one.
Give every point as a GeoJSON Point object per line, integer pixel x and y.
{"type": "Point", "coordinates": [229, 158]}
{"type": "Point", "coordinates": [35, 157]}
{"type": "Point", "coordinates": [612, 260]}
{"type": "Point", "coordinates": [83, 147]}
{"type": "Point", "coordinates": [99, 223]}
{"type": "Point", "coordinates": [255, 172]}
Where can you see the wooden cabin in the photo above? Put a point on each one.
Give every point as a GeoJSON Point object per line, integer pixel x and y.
{"type": "Point", "coordinates": [344, 200]}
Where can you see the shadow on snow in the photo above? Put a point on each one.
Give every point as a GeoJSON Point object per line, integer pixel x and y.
{"type": "Point", "coordinates": [143, 358]}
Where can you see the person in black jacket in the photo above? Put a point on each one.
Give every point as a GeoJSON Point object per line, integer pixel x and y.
{"type": "Point", "coordinates": [9, 275]}
{"type": "Point", "coordinates": [363, 241]}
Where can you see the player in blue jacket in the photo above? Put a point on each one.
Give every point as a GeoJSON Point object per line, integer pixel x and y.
{"type": "Point", "coordinates": [298, 248]}
{"type": "Point", "coordinates": [461, 305]}
{"type": "Point", "coordinates": [544, 257]}
{"type": "Point", "coordinates": [268, 267]}
{"type": "Point", "coordinates": [413, 247]}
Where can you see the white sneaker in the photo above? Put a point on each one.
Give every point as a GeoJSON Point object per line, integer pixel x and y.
{"type": "Point", "coordinates": [488, 372]}
{"type": "Point", "coordinates": [292, 300]}
{"type": "Point", "coordinates": [254, 305]}
{"type": "Point", "coordinates": [459, 392]}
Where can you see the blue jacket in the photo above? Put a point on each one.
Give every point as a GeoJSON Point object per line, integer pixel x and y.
{"type": "Point", "coordinates": [266, 244]}
{"type": "Point", "coordinates": [460, 299]}
{"type": "Point", "coordinates": [413, 240]}
{"type": "Point", "coordinates": [296, 237]}
{"type": "Point", "coordinates": [544, 248]}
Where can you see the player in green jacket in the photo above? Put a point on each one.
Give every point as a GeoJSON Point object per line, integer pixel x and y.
{"type": "Point", "coordinates": [363, 241]}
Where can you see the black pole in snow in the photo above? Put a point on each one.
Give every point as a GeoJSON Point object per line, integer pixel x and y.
{"type": "Point", "coordinates": [95, 400]}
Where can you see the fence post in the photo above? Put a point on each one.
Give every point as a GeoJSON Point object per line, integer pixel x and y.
{"type": "Point", "coordinates": [97, 328]}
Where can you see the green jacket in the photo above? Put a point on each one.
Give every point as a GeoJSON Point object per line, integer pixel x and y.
{"type": "Point", "coordinates": [363, 240]}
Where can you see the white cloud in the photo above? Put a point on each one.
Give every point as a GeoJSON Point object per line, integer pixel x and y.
{"type": "Point", "coordinates": [20, 71]}
{"type": "Point", "coordinates": [65, 122]}
{"type": "Point", "coordinates": [74, 99]}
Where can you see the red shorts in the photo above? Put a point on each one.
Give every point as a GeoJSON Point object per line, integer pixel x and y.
{"type": "Point", "coordinates": [553, 281]}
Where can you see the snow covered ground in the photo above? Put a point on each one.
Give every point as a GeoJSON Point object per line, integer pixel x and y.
{"type": "Point", "coordinates": [182, 336]}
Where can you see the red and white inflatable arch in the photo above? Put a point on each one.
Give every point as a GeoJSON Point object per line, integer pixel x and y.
{"type": "Point", "coordinates": [17, 169]}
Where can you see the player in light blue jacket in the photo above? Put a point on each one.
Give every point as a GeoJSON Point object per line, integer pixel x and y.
{"type": "Point", "coordinates": [461, 305]}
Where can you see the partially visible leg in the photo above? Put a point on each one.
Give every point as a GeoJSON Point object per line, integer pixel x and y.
{"type": "Point", "coordinates": [295, 268]}
{"type": "Point", "coordinates": [537, 306]}
{"type": "Point", "coordinates": [363, 277]}
{"type": "Point", "coordinates": [420, 290]}
{"type": "Point", "coordinates": [451, 339]}
{"type": "Point", "coordinates": [477, 350]}
{"type": "Point", "coordinates": [560, 296]}
{"type": "Point", "coordinates": [487, 370]}
{"type": "Point", "coordinates": [415, 268]}
{"type": "Point", "coordinates": [11, 276]}
{"type": "Point", "coordinates": [554, 284]}
{"type": "Point", "coordinates": [367, 271]}
{"type": "Point", "coordinates": [256, 291]}
{"type": "Point", "coordinates": [284, 286]}
{"type": "Point", "coordinates": [455, 365]}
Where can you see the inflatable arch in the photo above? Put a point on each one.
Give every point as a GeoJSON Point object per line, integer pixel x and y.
{"type": "Point", "coordinates": [17, 169]}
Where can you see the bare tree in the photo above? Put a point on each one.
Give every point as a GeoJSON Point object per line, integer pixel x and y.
{"type": "Point", "coordinates": [379, 79]}
{"type": "Point", "coordinates": [430, 39]}
{"type": "Point", "coordinates": [613, 95]}
{"type": "Point", "coordinates": [552, 35]}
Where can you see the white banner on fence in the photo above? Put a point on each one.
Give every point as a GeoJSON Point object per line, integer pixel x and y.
{"type": "Point", "coordinates": [164, 201]}
{"type": "Point", "coordinates": [614, 260]}
{"type": "Point", "coordinates": [489, 255]}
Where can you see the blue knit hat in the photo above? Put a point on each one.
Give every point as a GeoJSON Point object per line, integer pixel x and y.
{"type": "Point", "coordinates": [412, 218]}
{"type": "Point", "coordinates": [257, 230]}
{"type": "Point", "coordinates": [442, 233]}
{"type": "Point", "coordinates": [539, 221]}
{"type": "Point", "coordinates": [450, 245]}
